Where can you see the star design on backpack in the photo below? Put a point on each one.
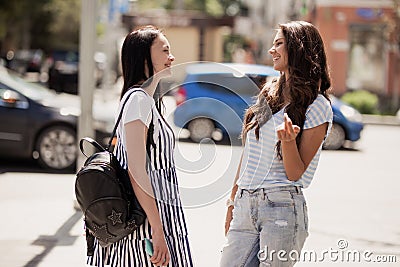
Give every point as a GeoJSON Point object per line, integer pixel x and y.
{"type": "Point", "coordinates": [131, 224]}
{"type": "Point", "coordinates": [115, 217]}
{"type": "Point", "coordinates": [101, 232]}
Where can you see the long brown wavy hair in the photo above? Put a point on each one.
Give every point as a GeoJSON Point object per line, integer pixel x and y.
{"type": "Point", "coordinates": [308, 76]}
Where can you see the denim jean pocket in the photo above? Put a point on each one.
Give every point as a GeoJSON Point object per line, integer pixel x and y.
{"type": "Point", "coordinates": [280, 199]}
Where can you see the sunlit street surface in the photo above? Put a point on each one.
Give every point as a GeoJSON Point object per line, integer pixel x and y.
{"type": "Point", "coordinates": [352, 205]}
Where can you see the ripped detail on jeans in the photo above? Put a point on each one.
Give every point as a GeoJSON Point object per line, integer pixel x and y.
{"type": "Point", "coordinates": [281, 223]}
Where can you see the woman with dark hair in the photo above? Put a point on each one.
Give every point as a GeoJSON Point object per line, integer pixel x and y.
{"type": "Point", "coordinates": [145, 144]}
{"type": "Point", "coordinates": [266, 222]}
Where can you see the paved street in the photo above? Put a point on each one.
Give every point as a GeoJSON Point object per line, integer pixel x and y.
{"type": "Point", "coordinates": [354, 198]}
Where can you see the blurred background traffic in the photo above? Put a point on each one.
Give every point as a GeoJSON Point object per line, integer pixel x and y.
{"type": "Point", "coordinates": [40, 59]}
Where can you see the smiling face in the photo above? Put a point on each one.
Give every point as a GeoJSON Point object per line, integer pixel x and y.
{"type": "Point", "coordinates": [279, 53]}
{"type": "Point", "coordinates": [161, 56]}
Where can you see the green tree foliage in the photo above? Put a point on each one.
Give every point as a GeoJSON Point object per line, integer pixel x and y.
{"type": "Point", "coordinates": [365, 102]}
{"type": "Point", "coordinates": [23, 23]}
{"type": "Point", "coordinates": [209, 7]}
{"type": "Point", "coordinates": [45, 24]}
{"type": "Point", "coordinates": [66, 24]}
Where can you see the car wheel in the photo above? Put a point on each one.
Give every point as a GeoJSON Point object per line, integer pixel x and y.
{"type": "Point", "coordinates": [336, 138]}
{"type": "Point", "coordinates": [56, 148]}
{"type": "Point", "coordinates": [201, 128]}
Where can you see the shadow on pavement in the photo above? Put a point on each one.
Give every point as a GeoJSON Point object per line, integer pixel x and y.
{"type": "Point", "coordinates": [60, 238]}
{"type": "Point", "coordinates": [26, 165]}
{"type": "Point", "coordinates": [349, 149]}
{"type": "Point", "coordinates": [345, 148]}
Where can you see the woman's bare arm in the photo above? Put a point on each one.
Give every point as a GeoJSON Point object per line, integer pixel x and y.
{"type": "Point", "coordinates": [296, 159]}
{"type": "Point", "coordinates": [136, 133]}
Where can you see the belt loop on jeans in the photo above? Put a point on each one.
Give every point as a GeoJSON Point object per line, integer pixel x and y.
{"type": "Point", "coordinates": [298, 189]}
{"type": "Point", "coordinates": [263, 193]}
{"type": "Point", "coordinates": [241, 193]}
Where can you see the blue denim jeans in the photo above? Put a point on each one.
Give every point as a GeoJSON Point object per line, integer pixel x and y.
{"type": "Point", "coordinates": [269, 228]}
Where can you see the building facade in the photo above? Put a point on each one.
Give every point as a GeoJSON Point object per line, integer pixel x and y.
{"type": "Point", "coordinates": [194, 37]}
{"type": "Point", "coordinates": [357, 36]}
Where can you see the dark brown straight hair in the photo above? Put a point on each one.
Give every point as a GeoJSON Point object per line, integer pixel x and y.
{"type": "Point", "coordinates": [135, 55]}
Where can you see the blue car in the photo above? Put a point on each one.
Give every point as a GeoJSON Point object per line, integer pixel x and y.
{"type": "Point", "coordinates": [213, 98]}
{"type": "Point", "coordinates": [347, 125]}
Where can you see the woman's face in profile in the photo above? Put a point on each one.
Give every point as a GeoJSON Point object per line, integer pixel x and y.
{"type": "Point", "coordinates": [161, 54]}
{"type": "Point", "coordinates": [279, 53]}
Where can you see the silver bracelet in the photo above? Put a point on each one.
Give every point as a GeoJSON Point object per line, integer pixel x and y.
{"type": "Point", "coordinates": [229, 202]}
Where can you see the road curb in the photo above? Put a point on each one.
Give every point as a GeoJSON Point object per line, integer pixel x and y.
{"type": "Point", "coordinates": [380, 120]}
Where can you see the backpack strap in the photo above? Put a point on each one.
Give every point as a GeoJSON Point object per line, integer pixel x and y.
{"type": "Point", "coordinates": [89, 243]}
{"type": "Point", "coordinates": [92, 142]}
{"type": "Point", "coordinates": [150, 139]}
{"type": "Point", "coordinates": [108, 148]}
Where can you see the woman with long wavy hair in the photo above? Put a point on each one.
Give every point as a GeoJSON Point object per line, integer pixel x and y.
{"type": "Point", "coordinates": [283, 133]}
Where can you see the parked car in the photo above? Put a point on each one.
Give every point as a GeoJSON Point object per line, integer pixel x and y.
{"type": "Point", "coordinates": [63, 70]}
{"type": "Point", "coordinates": [35, 122]}
{"type": "Point", "coordinates": [23, 61]}
{"type": "Point", "coordinates": [347, 125]}
{"type": "Point", "coordinates": [213, 98]}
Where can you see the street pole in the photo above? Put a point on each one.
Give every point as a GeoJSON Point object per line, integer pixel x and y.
{"type": "Point", "coordinates": [396, 85]}
{"type": "Point", "coordinates": [86, 71]}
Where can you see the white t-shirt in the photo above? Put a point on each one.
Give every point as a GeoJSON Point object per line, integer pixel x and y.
{"type": "Point", "coordinates": [138, 107]}
{"type": "Point", "coordinates": [261, 168]}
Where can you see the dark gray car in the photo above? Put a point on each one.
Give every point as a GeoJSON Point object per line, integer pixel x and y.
{"type": "Point", "coordinates": [36, 122]}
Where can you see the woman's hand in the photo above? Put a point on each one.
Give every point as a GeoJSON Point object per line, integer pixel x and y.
{"type": "Point", "coordinates": [286, 131]}
{"type": "Point", "coordinates": [228, 219]}
{"type": "Point", "coordinates": [161, 255]}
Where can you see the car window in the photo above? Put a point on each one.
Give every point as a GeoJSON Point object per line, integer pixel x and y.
{"type": "Point", "coordinates": [67, 56]}
{"type": "Point", "coordinates": [226, 81]}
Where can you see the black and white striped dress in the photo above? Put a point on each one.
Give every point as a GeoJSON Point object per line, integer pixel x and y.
{"type": "Point", "coordinates": [130, 251]}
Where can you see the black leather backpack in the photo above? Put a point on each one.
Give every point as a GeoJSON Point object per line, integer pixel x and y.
{"type": "Point", "coordinates": [105, 194]}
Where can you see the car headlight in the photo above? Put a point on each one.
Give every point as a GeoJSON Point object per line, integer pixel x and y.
{"type": "Point", "coordinates": [351, 113]}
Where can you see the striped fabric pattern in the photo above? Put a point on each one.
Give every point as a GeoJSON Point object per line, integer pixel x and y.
{"type": "Point", "coordinates": [130, 251]}
{"type": "Point", "coordinates": [261, 168]}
